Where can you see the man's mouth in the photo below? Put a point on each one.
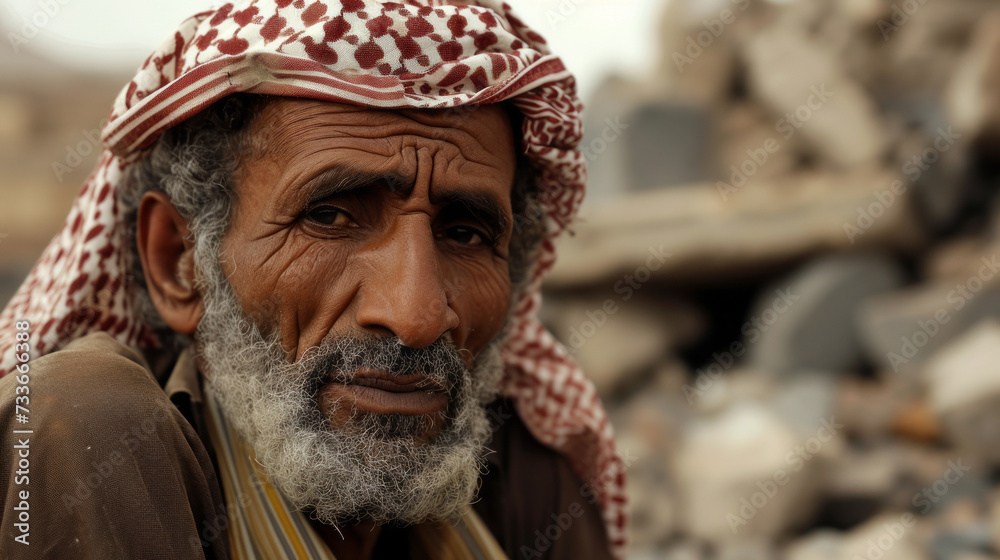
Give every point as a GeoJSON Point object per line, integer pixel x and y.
{"type": "Point", "coordinates": [381, 393]}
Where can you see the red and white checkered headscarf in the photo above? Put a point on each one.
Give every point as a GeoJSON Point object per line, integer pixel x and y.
{"type": "Point", "coordinates": [413, 54]}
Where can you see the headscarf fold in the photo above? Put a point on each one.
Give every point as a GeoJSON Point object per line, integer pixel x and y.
{"type": "Point", "coordinates": [391, 55]}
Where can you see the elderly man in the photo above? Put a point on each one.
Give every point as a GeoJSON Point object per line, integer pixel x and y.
{"type": "Point", "coordinates": [292, 313]}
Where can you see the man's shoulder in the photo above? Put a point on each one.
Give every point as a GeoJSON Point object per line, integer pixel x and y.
{"type": "Point", "coordinates": [115, 470]}
{"type": "Point", "coordinates": [93, 351]}
{"type": "Point", "coordinates": [93, 382]}
{"type": "Point", "coordinates": [90, 359]}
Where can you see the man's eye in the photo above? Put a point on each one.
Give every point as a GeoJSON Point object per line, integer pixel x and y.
{"type": "Point", "coordinates": [468, 236]}
{"type": "Point", "coordinates": [328, 216]}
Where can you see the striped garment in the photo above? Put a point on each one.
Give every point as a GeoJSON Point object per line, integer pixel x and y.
{"type": "Point", "coordinates": [264, 525]}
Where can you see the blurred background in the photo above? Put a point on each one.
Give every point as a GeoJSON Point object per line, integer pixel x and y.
{"type": "Point", "coordinates": [786, 279]}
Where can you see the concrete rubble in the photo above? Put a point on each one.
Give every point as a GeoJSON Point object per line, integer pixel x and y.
{"type": "Point", "coordinates": [801, 224]}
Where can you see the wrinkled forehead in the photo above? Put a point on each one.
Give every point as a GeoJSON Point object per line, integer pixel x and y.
{"type": "Point", "coordinates": [304, 133]}
{"type": "Point", "coordinates": [304, 148]}
{"type": "Point", "coordinates": [478, 124]}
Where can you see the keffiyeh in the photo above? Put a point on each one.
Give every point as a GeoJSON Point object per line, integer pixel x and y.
{"type": "Point", "coordinates": [415, 55]}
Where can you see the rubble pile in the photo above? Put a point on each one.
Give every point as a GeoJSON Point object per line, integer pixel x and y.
{"type": "Point", "coordinates": [786, 282]}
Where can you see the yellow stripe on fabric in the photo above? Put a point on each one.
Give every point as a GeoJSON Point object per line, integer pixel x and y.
{"type": "Point", "coordinates": [253, 514]}
{"type": "Point", "coordinates": [239, 535]}
{"type": "Point", "coordinates": [266, 535]}
{"type": "Point", "coordinates": [483, 536]}
{"type": "Point", "coordinates": [254, 536]}
{"type": "Point", "coordinates": [295, 540]}
{"type": "Point", "coordinates": [307, 542]}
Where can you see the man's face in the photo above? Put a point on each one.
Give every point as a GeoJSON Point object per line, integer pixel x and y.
{"type": "Point", "coordinates": [358, 221]}
{"type": "Point", "coordinates": [369, 251]}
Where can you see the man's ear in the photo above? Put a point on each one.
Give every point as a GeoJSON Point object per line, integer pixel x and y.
{"type": "Point", "coordinates": [168, 263]}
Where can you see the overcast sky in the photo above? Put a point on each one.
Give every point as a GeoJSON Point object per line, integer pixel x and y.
{"type": "Point", "coordinates": [593, 36]}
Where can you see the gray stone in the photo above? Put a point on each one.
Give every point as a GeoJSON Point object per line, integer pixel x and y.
{"type": "Point", "coordinates": [950, 544]}
{"type": "Point", "coordinates": [649, 425]}
{"type": "Point", "coordinates": [706, 78]}
{"type": "Point", "coordinates": [666, 145]}
{"type": "Point", "coordinates": [711, 232]}
{"type": "Point", "coordinates": [740, 478]}
{"type": "Point", "coordinates": [652, 505]}
{"type": "Point", "coordinates": [607, 172]}
{"type": "Point", "coordinates": [971, 96]}
{"type": "Point", "coordinates": [966, 555]}
{"type": "Point", "coordinates": [684, 551]}
{"type": "Point", "coordinates": [711, 395]}
{"type": "Point", "coordinates": [964, 515]}
{"type": "Point", "coordinates": [743, 130]}
{"type": "Point", "coordinates": [929, 488]}
{"type": "Point", "coordinates": [746, 550]}
{"type": "Point", "coordinates": [924, 51]}
{"type": "Point", "coordinates": [902, 329]}
{"type": "Point", "coordinates": [809, 320]}
{"type": "Point", "coordinates": [788, 72]}
{"type": "Point", "coordinates": [647, 429]}
{"type": "Point", "coordinates": [892, 535]}
{"type": "Point", "coordinates": [864, 473]}
{"type": "Point", "coordinates": [964, 385]}
{"type": "Point", "coordinates": [934, 160]}
{"type": "Point", "coordinates": [805, 401]}
{"type": "Point", "coordinates": [637, 553]}
{"type": "Point", "coordinates": [614, 340]}
{"type": "Point", "coordinates": [820, 545]}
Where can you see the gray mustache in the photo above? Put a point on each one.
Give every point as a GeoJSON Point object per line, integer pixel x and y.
{"type": "Point", "coordinates": [337, 359]}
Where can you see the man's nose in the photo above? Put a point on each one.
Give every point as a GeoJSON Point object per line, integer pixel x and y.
{"type": "Point", "coordinates": [406, 291]}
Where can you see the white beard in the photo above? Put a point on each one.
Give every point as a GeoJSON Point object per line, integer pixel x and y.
{"type": "Point", "coordinates": [374, 467]}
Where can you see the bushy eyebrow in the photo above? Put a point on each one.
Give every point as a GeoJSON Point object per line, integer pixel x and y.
{"type": "Point", "coordinates": [341, 180]}
{"type": "Point", "coordinates": [483, 206]}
